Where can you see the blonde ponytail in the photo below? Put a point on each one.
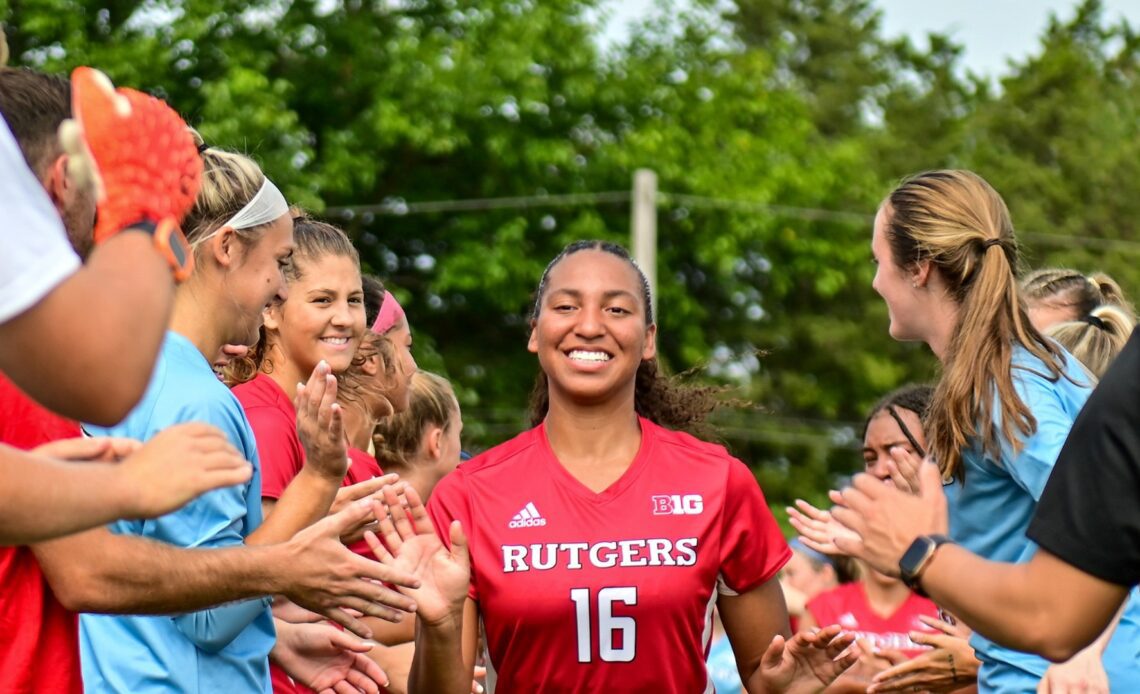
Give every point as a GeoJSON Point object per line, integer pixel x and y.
{"type": "Point", "coordinates": [1097, 338]}
{"type": "Point", "coordinates": [959, 223]}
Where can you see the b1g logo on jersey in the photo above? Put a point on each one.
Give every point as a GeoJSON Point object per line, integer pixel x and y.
{"type": "Point", "coordinates": [677, 504]}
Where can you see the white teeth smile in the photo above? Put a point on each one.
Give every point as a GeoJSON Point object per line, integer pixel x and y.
{"type": "Point", "coordinates": [583, 355]}
{"type": "Point", "coordinates": [335, 340]}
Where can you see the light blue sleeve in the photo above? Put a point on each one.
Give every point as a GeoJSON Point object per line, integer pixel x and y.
{"type": "Point", "coordinates": [215, 519]}
{"type": "Point", "coordinates": [213, 629]}
{"type": "Point", "coordinates": [1033, 463]}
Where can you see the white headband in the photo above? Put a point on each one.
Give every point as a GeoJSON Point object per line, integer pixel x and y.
{"type": "Point", "coordinates": [266, 206]}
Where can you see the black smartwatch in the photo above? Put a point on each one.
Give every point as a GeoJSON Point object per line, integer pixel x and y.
{"type": "Point", "coordinates": [916, 557]}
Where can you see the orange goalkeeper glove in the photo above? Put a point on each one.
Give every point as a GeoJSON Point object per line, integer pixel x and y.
{"type": "Point", "coordinates": [135, 150]}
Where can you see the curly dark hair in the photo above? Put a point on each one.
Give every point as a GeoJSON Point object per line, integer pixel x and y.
{"type": "Point", "coordinates": [668, 401]}
{"type": "Point", "coordinates": [915, 397]}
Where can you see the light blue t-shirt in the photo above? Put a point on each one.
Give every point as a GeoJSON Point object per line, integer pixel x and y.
{"type": "Point", "coordinates": [723, 674]}
{"type": "Point", "coordinates": [223, 649]}
{"type": "Point", "coordinates": [992, 509]}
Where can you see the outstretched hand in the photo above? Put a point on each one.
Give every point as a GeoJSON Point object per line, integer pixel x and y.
{"type": "Point", "coordinates": [883, 521]}
{"type": "Point", "coordinates": [322, 575]}
{"type": "Point", "coordinates": [817, 529]}
{"type": "Point", "coordinates": [904, 467]}
{"type": "Point", "coordinates": [411, 545]}
{"type": "Point", "coordinates": [371, 489]}
{"type": "Point", "coordinates": [180, 463]}
{"type": "Point", "coordinates": [807, 662]}
{"type": "Point", "coordinates": [326, 659]}
{"type": "Point", "coordinates": [950, 663]}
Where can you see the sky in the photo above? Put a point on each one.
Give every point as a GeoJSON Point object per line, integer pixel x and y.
{"type": "Point", "coordinates": [993, 31]}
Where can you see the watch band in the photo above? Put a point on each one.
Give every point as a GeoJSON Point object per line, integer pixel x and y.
{"type": "Point", "coordinates": [925, 547]}
{"type": "Point", "coordinates": [170, 243]}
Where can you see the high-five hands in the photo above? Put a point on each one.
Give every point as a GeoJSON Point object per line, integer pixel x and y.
{"type": "Point", "coordinates": [807, 662]}
{"type": "Point", "coordinates": [151, 484]}
{"type": "Point", "coordinates": [411, 545]}
{"type": "Point", "coordinates": [950, 663]}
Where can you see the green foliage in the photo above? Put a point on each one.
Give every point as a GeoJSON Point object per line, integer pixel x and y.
{"type": "Point", "coordinates": [363, 109]}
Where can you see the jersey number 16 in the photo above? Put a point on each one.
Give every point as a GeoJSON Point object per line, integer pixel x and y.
{"type": "Point", "coordinates": [609, 624]}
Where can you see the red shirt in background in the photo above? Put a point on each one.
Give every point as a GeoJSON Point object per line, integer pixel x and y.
{"type": "Point", "coordinates": [847, 606]}
{"type": "Point", "coordinates": [363, 467]}
{"type": "Point", "coordinates": [274, 422]}
{"type": "Point", "coordinates": [39, 637]}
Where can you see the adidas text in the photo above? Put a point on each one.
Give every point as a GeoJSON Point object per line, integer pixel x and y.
{"type": "Point", "coordinates": [527, 523]}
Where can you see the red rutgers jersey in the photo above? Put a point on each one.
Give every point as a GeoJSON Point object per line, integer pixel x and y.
{"type": "Point", "coordinates": [847, 606]}
{"type": "Point", "coordinates": [586, 592]}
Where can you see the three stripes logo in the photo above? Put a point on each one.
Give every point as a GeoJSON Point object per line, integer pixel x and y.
{"type": "Point", "coordinates": [528, 517]}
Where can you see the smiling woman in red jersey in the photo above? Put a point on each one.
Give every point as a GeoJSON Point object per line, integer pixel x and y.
{"type": "Point", "coordinates": [317, 321]}
{"type": "Point", "coordinates": [320, 318]}
{"type": "Point", "coordinates": [601, 539]}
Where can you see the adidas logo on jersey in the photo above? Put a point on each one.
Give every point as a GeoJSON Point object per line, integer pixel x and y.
{"type": "Point", "coordinates": [529, 517]}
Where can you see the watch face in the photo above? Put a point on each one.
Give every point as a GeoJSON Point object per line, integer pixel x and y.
{"type": "Point", "coordinates": [912, 558]}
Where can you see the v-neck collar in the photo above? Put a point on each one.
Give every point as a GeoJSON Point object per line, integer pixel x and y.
{"type": "Point", "coordinates": [572, 484]}
{"type": "Point", "coordinates": [871, 608]}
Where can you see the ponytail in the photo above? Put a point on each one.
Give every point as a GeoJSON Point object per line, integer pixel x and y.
{"type": "Point", "coordinates": [1097, 338]}
{"type": "Point", "coordinates": [960, 224]}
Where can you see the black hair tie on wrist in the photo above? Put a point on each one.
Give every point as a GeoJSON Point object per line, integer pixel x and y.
{"type": "Point", "coordinates": [1094, 321]}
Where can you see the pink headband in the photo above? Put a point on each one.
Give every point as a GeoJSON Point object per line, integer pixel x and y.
{"type": "Point", "coordinates": [390, 313]}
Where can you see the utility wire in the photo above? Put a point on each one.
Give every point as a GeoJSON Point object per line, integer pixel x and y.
{"type": "Point", "coordinates": [398, 207]}
{"type": "Point", "coordinates": [808, 213]}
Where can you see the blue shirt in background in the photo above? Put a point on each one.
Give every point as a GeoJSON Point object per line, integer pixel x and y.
{"type": "Point", "coordinates": [215, 651]}
{"type": "Point", "coordinates": [991, 511]}
{"type": "Point", "coordinates": [723, 674]}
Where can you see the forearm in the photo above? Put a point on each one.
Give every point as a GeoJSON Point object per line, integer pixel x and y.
{"type": "Point", "coordinates": [100, 571]}
{"type": "Point", "coordinates": [389, 633]}
{"type": "Point", "coordinates": [305, 501]}
{"type": "Point", "coordinates": [41, 498]}
{"type": "Point", "coordinates": [1043, 606]}
{"type": "Point", "coordinates": [1101, 642]}
{"type": "Point", "coordinates": [396, 662]}
{"type": "Point", "coordinates": [438, 665]}
{"type": "Point", "coordinates": [101, 382]}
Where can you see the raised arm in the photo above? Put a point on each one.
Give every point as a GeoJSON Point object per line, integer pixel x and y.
{"type": "Point", "coordinates": [98, 375]}
{"type": "Point", "coordinates": [446, 618]}
{"type": "Point", "coordinates": [1044, 606]}
{"type": "Point", "coordinates": [101, 381]}
{"type": "Point", "coordinates": [320, 427]}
